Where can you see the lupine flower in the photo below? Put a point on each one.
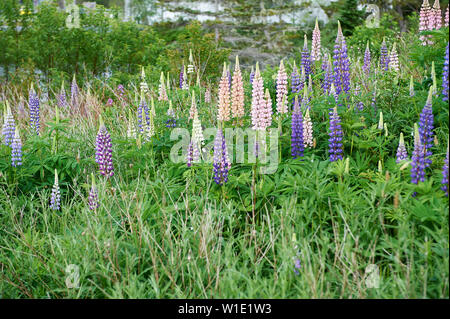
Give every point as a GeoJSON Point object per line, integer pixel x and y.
{"type": "Point", "coordinates": [305, 100]}
{"type": "Point", "coordinates": [367, 60]}
{"type": "Point", "coordinates": [208, 95]}
{"type": "Point", "coordinates": [168, 82]}
{"type": "Point", "coordinates": [281, 89]}
{"type": "Point", "coordinates": [229, 77]}
{"type": "Point", "coordinates": [74, 92]}
{"type": "Point", "coordinates": [252, 75]}
{"type": "Point", "coordinates": [16, 149]}
{"type": "Point", "coordinates": [445, 76]}
{"type": "Point", "coordinates": [437, 15]}
{"type": "Point", "coordinates": [162, 89]}
{"type": "Point", "coordinates": [307, 130]}
{"type": "Point", "coordinates": [333, 94]}
{"type": "Point", "coordinates": [103, 151]}
{"type": "Point", "coordinates": [328, 77]}
{"type": "Point", "coordinates": [237, 92]}
{"type": "Point", "coordinates": [181, 77]}
{"type": "Point", "coordinates": [335, 140]}
{"type": "Point", "coordinates": [131, 129]}
{"type": "Point", "coordinates": [197, 131]}
{"type": "Point", "coordinates": [380, 122]}
{"type": "Point", "coordinates": [261, 114]}
{"type": "Point", "coordinates": [393, 59]}
{"type": "Point", "coordinates": [306, 60]}
{"type": "Point", "coordinates": [444, 181]}
{"type": "Point", "coordinates": [267, 115]}
{"type": "Point", "coordinates": [315, 47]}
{"type": "Point", "coordinates": [193, 109]}
{"type": "Point", "coordinates": [297, 265]}
{"type": "Point", "coordinates": [149, 127]}
{"type": "Point", "coordinates": [120, 90]}
{"type": "Point", "coordinates": [426, 128]}
{"type": "Point", "coordinates": [418, 158]}
{"type": "Point", "coordinates": [62, 101]}
{"type": "Point", "coordinates": [295, 80]}
{"type": "Point", "coordinates": [402, 153]}
{"type": "Point", "coordinates": [33, 102]}
{"type": "Point", "coordinates": [384, 57]}
{"type": "Point", "coordinates": [185, 85]}
{"type": "Point", "coordinates": [341, 64]}
{"type": "Point", "coordinates": [143, 85]}
{"type": "Point", "coordinates": [190, 154]}
{"type": "Point", "coordinates": [8, 127]}
{"type": "Point", "coordinates": [411, 87]}
{"type": "Point", "coordinates": [190, 68]}
{"type": "Point", "coordinates": [224, 97]}
{"type": "Point", "coordinates": [446, 17]}
{"type": "Point", "coordinates": [425, 14]}
{"type": "Point", "coordinates": [222, 163]}
{"type": "Point", "coordinates": [55, 198]}
{"type": "Point", "coordinates": [93, 195]}
{"type": "Point", "coordinates": [297, 142]}
{"type": "Point", "coordinates": [171, 122]}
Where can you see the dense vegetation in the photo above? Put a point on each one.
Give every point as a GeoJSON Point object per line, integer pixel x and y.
{"type": "Point", "coordinates": [166, 230]}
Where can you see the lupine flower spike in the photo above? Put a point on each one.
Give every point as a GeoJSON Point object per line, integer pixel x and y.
{"type": "Point", "coordinates": [103, 151]}
{"type": "Point", "coordinates": [367, 60]}
{"type": "Point", "coordinates": [9, 126]}
{"type": "Point", "coordinates": [237, 92]}
{"type": "Point", "coordinates": [418, 159]}
{"type": "Point", "coordinates": [93, 195]}
{"type": "Point", "coordinates": [55, 199]}
{"type": "Point", "coordinates": [252, 75]}
{"type": "Point", "coordinates": [16, 149]}
{"type": "Point", "coordinates": [445, 75]}
{"type": "Point", "coordinates": [143, 84]}
{"type": "Point", "coordinates": [380, 122]}
{"type": "Point", "coordinates": [281, 90]}
{"type": "Point", "coordinates": [193, 109]}
{"type": "Point", "coordinates": [185, 80]}
{"type": "Point", "coordinates": [306, 60]}
{"type": "Point", "coordinates": [328, 77]}
{"type": "Point", "coordinates": [162, 89]}
{"type": "Point", "coordinates": [341, 64]}
{"type": "Point", "coordinates": [222, 163]}
{"type": "Point", "coordinates": [446, 17]}
{"type": "Point", "coordinates": [424, 16]}
{"type": "Point", "coordinates": [171, 122]}
{"type": "Point", "coordinates": [181, 77]}
{"type": "Point", "coordinates": [131, 129]}
{"type": "Point", "coordinates": [259, 112]}
{"type": "Point", "coordinates": [295, 80]}
{"type": "Point", "coordinates": [402, 154]}
{"type": "Point", "coordinates": [307, 130]}
{"type": "Point", "coordinates": [411, 87]}
{"type": "Point", "coordinates": [393, 59]}
{"type": "Point", "coordinates": [33, 102]}
{"type": "Point", "coordinates": [190, 68]}
{"type": "Point", "coordinates": [297, 142]}
{"type": "Point", "coordinates": [315, 47]}
{"type": "Point", "coordinates": [168, 82]}
{"type": "Point", "coordinates": [224, 97]}
{"type": "Point", "coordinates": [62, 101]}
{"type": "Point", "coordinates": [426, 127]}
{"type": "Point", "coordinates": [437, 15]}
{"type": "Point", "coordinates": [444, 181]}
{"type": "Point", "coordinates": [335, 140]}
{"type": "Point", "coordinates": [384, 57]}
{"type": "Point", "coordinates": [74, 90]}
{"type": "Point", "coordinates": [208, 95]}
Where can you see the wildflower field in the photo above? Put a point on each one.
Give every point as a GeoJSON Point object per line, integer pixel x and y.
{"type": "Point", "coordinates": [323, 176]}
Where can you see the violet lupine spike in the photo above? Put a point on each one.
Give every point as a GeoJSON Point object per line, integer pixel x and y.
{"type": "Point", "coordinates": [62, 99]}
{"type": "Point", "coordinates": [252, 76]}
{"type": "Point", "coordinates": [295, 81]}
{"type": "Point", "coordinates": [418, 159]}
{"type": "Point", "coordinates": [426, 127]}
{"type": "Point", "coordinates": [328, 77]}
{"type": "Point", "coordinates": [444, 180]}
{"type": "Point", "coordinates": [297, 142]}
{"type": "Point", "coordinates": [221, 164]}
{"type": "Point", "coordinates": [33, 102]}
{"type": "Point", "coordinates": [103, 154]}
{"type": "Point", "coordinates": [190, 154]}
{"type": "Point", "coordinates": [16, 149]}
{"type": "Point", "coordinates": [55, 198]}
{"type": "Point", "coordinates": [402, 153]}
{"type": "Point", "coordinates": [336, 135]}
{"type": "Point", "coordinates": [181, 77]}
{"type": "Point", "coordinates": [445, 75]}
{"type": "Point", "coordinates": [341, 64]}
{"type": "Point", "coordinates": [74, 92]}
{"type": "Point", "coordinates": [384, 57]}
{"type": "Point", "coordinates": [306, 59]}
{"type": "Point", "coordinates": [9, 126]}
{"type": "Point", "coordinates": [367, 60]}
{"type": "Point", "coordinates": [93, 199]}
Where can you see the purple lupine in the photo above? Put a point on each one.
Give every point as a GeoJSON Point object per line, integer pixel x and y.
{"type": "Point", "coordinates": [384, 57]}
{"type": "Point", "coordinates": [16, 149]}
{"type": "Point", "coordinates": [252, 76]}
{"type": "Point", "coordinates": [341, 64]}
{"type": "Point", "coordinates": [418, 159]}
{"type": "Point", "coordinates": [33, 102]}
{"type": "Point", "coordinates": [295, 80]}
{"type": "Point", "coordinates": [74, 92]}
{"type": "Point", "coordinates": [335, 140]}
{"type": "Point", "coordinates": [181, 77]}
{"type": "Point", "coordinates": [297, 265]}
{"type": "Point", "coordinates": [103, 151]}
{"type": "Point", "coordinates": [62, 99]}
{"type": "Point", "coordinates": [55, 198]}
{"type": "Point", "coordinates": [93, 196]}
{"type": "Point", "coordinates": [190, 154]}
{"type": "Point", "coordinates": [139, 115]}
{"type": "Point", "coordinates": [306, 59]}
{"type": "Point", "coordinates": [8, 127]}
{"type": "Point", "coordinates": [444, 181]}
{"type": "Point", "coordinates": [297, 143]}
{"type": "Point", "coordinates": [328, 77]}
{"type": "Point", "coordinates": [121, 90]}
{"type": "Point", "coordinates": [426, 128]}
{"type": "Point", "coordinates": [402, 153]}
{"type": "Point", "coordinates": [221, 164]}
{"type": "Point", "coordinates": [367, 61]}
{"type": "Point", "coordinates": [445, 76]}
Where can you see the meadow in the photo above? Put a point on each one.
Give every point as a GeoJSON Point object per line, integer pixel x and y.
{"type": "Point", "coordinates": [93, 204]}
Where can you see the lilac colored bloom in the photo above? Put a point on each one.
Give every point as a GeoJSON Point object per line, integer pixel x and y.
{"type": "Point", "coordinates": [181, 77]}
{"type": "Point", "coordinates": [335, 140]}
{"type": "Point", "coordinates": [295, 80]}
{"type": "Point", "coordinates": [103, 155]}
{"type": "Point", "coordinates": [8, 127]}
{"type": "Point", "coordinates": [328, 77]}
{"type": "Point", "coordinates": [367, 61]}
{"type": "Point", "coordinates": [418, 159]}
{"type": "Point", "coordinates": [62, 99]}
{"type": "Point", "coordinates": [221, 164]}
{"type": "Point", "coordinates": [402, 154]}
{"type": "Point", "coordinates": [74, 92]}
{"type": "Point", "coordinates": [426, 128]}
{"type": "Point", "coordinates": [297, 265]}
{"type": "Point", "coordinates": [341, 64]}
{"type": "Point", "coordinates": [297, 143]}
{"type": "Point", "coordinates": [190, 154]}
{"type": "Point", "coordinates": [55, 198]}
{"type": "Point", "coordinates": [33, 102]}
{"type": "Point", "coordinates": [306, 59]}
{"type": "Point", "coordinates": [444, 181]}
{"type": "Point", "coordinates": [16, 150]}
{"type": "Point", "coordinates": [110, 102]}
{"type": "Point", "coordinates": [384, 57]}
{"type": "Point", "coordinates": [93, 199]}
{"type": "Point", "coordinates": [445, 75]}
{"type": "Point", "coordinates": [252, 76]}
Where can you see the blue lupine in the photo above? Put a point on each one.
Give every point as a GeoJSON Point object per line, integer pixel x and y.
{"type": "Point", "coordinates": [418, 159]}
{"type": "Point", "coordinates": [103, 151]}
{"type": "Point", "coordinates": [8, 127]}
{"type": "Point", "coordinates": [384, 57]}
{"type": "Point", "coordinates": [426, 128]}
{"type": "Point", "coordinates": [335, 140]}
{"type": "Point", "coordinates": [402, 153]}
{"type": "Point", "coordinates": [221, 163]}
{"type": "Point", "coordinates": [367, 61]}
{"type": "Point", "coordinates": [328, 77]}
{"type": "Point", "coordinates": [297, 143]}
{"type": "Point", "coordinates": [33, 102]}
{"type": "Point", "coordinates": [341, 63]}
{"type": "Point", "coordinates": [445, 77]}
{"type": "Point", "coordinates": [444, 181]}
{"type": "Point", "coordinates": [93, 196]}
{"type": "Point", "coordinates": [16, 150]}
{"type": "Point", "coordinates": [55, 199]}
{"type": "Point", "coordinates": [181, 77]}
{"type": "Point", "coordinates": [306, 59]}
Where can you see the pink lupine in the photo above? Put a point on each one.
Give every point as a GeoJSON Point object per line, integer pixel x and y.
{"type": "Point", "coordinates": [208, 95]}
{"type": "Point", "coordinates": [437, 15]}
{"type": "Point", "coordinates": [315, 48]}
{"type": "Point", "coordinates": [162, 89]}
{"type": "Point", "coordinates": [282, 89]}
{"type": "Point", "coordinates": [425, 13]}
{"type": "Point", "coordinates": [267, 112]}
{"type": "Point", "coordinates": [307, 130]}
{"type": "Point", "coordinates": [193, 109]}
{"type": "Point", "coordinates": [446, 17]}
{"type": "Point", "coordinates": [237, 92]}
{"type": "Point", "coordinates": [224, 97]}
{"type": "Point", "coordinates": [259, 104]}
